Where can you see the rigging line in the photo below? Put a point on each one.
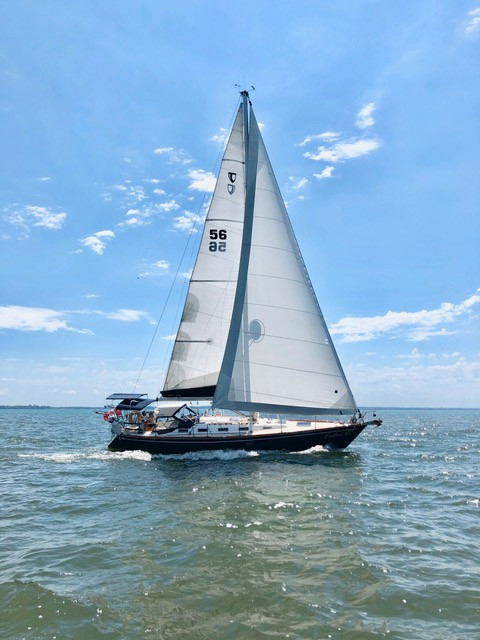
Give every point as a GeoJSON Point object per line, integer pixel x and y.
{"type": "Point", "coordinates": [192, 231]}
{"type": "Point", "coordinates": [163, 310]}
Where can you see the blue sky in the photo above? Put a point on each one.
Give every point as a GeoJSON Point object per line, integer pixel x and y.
{"type": "Point", "coordinates": [112, 116]}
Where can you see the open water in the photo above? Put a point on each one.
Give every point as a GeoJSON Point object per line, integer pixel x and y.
{"type": "Point", "coordinates": [379, 541]}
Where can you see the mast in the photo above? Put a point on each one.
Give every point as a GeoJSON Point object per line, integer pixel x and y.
{"type": "Point", "coordinates": [251, 142]}
{"type": "Point", "coordinates": [245, 102]}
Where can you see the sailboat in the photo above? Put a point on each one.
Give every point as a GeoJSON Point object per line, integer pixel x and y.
{"type": "Point", "coordinates": [252, 340]}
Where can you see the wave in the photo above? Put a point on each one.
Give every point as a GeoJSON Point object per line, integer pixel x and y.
{"type": "Point", "coordinates": [316, 449]}
{"type": "Point", "coordinates": [106, 456]}
{"type": "Point", "coordinates": [218, 454]}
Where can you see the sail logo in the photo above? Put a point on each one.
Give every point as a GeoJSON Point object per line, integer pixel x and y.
{"type": "Point", "coordinates": [230, 186]}
{"type": "Point", "coordinates": [218, 234]}
{"type": "Point", "coordinates": [256, 330]}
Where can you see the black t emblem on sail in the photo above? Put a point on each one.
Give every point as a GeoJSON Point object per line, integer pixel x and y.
{"type": "Point", "coordinates": [232, 177]}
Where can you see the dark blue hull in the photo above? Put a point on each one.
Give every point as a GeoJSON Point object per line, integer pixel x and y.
{"type": "Point", "coordinates": [334, 438]}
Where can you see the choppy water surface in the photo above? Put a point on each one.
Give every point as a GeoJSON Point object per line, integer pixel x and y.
{"type": "Point", "coordinates": [382, 540]}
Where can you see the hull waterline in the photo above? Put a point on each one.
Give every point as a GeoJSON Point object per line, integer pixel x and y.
{"type": "Point", "coordinates": [334, 438]}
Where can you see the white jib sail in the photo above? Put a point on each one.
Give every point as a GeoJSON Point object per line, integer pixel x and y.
{"type": "Point", "coordinates": [200, 342]}
{"type": "Point", "coordinates": [282, 358]}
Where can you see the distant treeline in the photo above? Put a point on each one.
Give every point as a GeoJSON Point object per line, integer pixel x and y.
{"type": "Point", "coordinates": [37, 406]}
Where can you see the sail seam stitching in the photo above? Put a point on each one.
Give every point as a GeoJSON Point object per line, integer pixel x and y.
{"type": "Point", "coordinates": [276, 366]}
{"type": "Point", "coordinates": [271, 335]}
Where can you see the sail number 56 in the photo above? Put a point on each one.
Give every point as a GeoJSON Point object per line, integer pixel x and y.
{"type": "Point", "coordinates": [217, 234]}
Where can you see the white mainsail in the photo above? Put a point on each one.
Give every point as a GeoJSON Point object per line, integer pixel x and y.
{"type": "Point", "coordinates": [279, 355]}
{"type": "Point", "coordinates": [200, 342]}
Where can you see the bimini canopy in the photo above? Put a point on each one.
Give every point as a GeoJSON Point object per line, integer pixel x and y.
{"type": "Point", "coordinates": [168, 409]}
{"type": "Point", "coordinates": [129, 401]}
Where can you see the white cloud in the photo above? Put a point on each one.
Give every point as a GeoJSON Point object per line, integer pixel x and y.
{"type": "Point", "coordinates": [136, 194]}
{"type": "Point", "coordinates": [261, 126]}
{"type": "Point", "coordinates": [130, 194]}
{"type": "Point", "coordinates": [45, 218]}
{"type": "Point", "coordinates": [51, 320]}
{"type": "Point", "coordinates": [105, 234]}
{"type": "Point", "coordinates": [155, 269]}
{"type": "Point", "coordinates": [35, 319]}
{"type": "Point", "coordinates": [93, 243]}
{"type": "Point", "coordinates": [140, 216]}
{"type": "Point", "coordinates": [415, 354]}
{"type": "Point", "coordinates": [414, 325]}
{"type": "Point", "coordinates": [326, 173]}
{"type": "Point", "coordinates": [163, 150]}
{"type": "Point", "coordinates": [187, 221]}
{"type": "Point", "coordinates": [44, 179]}
{"type": "Point", "coordinates": [174, 155]}
{"type": "Point", "coordinates": [91, 295]}
{"type": "Point", "coordinates": [32, 215]}
{"type": "Point", "coordinates": [473, 25]}
{"type": "Point", "coordinates": [134, 222]}
{"type": "Point", "coordinates": [168, 206]}
{"type": "Point", "coordinates": [455, 384]}
{"type": "Point", "coordinates": [159, 192]}
{"type": "Point", "coordinates": [336, 148]}
{"type": "Point", "coordinates": [170, 338]}
{"type": "Point", "coordinates": [201, 180]}
{"type": "Point", "coordinates": [340, 151]}
{"type": "Point", "coordinates": [419, 335]}
{"type": "Point", "coordinates": [128, 315]}
{"type": "Point", "coordinates": [364, 116]}
{"type": "Point", "coordinates": [298, 183]}
{"type": "Point", "coordinates": [326, 135]}
{"type": "Point", "coordinates": [152, 180]}
{"type": "Point", "coordinates": [220, 136]}
{"type": "Point", "coordinates": [97, 241]}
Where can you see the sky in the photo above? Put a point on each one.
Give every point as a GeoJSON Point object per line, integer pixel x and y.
{"type": "Point", "coordinates": [113, 116]}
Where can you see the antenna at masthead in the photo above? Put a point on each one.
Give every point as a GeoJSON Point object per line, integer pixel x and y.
{"type": "Point", "coordinates": [245, 92]}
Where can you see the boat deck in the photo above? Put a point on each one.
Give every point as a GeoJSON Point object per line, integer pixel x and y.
{"type": "Point", "coordinates": [225, 426]}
